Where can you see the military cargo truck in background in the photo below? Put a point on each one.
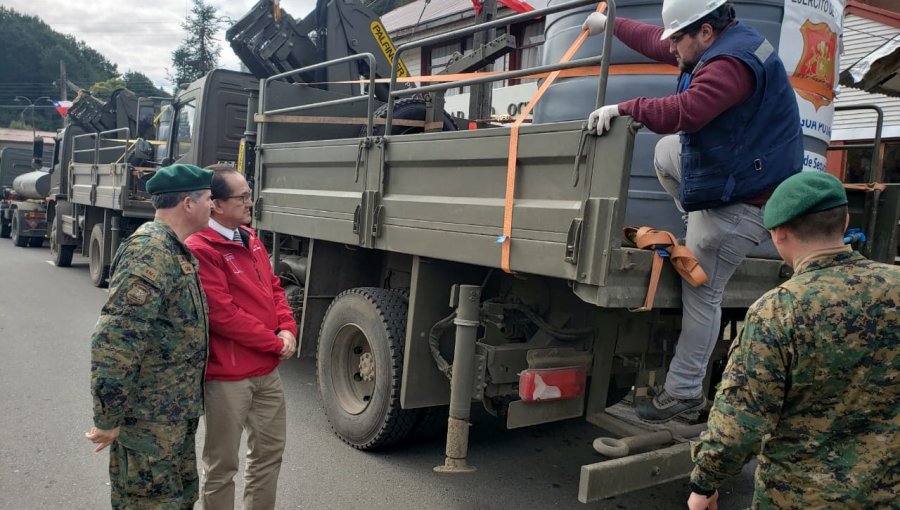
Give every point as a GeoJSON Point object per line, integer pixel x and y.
{"type": "Point", "coordinates": [108, 151]}
{"type": "Point", "coordinates": [24, 186]}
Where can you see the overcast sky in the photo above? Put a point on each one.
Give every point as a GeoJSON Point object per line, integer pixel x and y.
{"type": "Point", "coordinates": [140, 35]}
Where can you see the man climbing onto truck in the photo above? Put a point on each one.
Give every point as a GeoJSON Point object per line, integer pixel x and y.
{"type": "Point", "coordinates": [738, 137]}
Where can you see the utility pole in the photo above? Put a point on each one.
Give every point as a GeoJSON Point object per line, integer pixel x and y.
{"type": "Point", "coordinates": [480, 95]}
{"type": "Point", "coordinates": [62, 81]}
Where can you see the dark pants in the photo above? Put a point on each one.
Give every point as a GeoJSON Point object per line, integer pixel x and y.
{"type": "Point", "coordinates": [153, 465]}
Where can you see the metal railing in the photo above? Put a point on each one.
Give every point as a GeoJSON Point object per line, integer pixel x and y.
{"type": "Point", "coordinates": [875, 171]}
{"type": "Point", "coordinates": [119, 143]}
{"type": "Point", "coordinates": [369, 96]}
{"type": "Point", "coordinates": [603, 60]}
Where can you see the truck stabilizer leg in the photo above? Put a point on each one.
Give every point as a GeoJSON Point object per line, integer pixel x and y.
{"type": "Point", "coordinates": [466, 299]}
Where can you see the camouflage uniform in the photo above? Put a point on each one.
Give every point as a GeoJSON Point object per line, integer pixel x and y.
{"type": "Point", "coordinates": [148, 358]}
{"type": "Point", "coordinates": [813, 387]}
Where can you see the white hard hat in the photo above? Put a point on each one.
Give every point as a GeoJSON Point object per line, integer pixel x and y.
{"type": "Point", "coordinates": [678, 14]}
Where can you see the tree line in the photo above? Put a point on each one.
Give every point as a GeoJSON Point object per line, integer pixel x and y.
{"type": "Point", "coordinates": [30, 68]}
{"type": "Point", "coordinates": [32, 52]}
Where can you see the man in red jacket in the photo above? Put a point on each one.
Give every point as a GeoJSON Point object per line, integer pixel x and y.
{"type": "Point", "coordinates": [251, 329]}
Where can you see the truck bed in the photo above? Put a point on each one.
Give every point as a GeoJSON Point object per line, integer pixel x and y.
{"type": "Point", "coordinates": [441, 195]}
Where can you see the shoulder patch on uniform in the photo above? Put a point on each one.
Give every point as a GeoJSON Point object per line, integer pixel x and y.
{"type": "Point", "coordinates": [150, 274]}
{"type": "Point", "coordinates": [137, 295]}
{"type": "Point", "coordinates": [186, 266]}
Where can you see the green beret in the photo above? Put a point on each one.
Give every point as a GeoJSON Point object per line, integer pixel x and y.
{"type": "Point", "coordinates": [803, 193]}
{"type": "Point", "coordinates": [179, 177]}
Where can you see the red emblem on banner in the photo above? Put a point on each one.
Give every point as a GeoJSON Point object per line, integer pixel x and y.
{"type": "Point", "coordinates": [817, 63]}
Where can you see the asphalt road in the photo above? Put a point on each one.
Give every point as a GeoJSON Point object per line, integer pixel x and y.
{"type": "Point", "coordinates": [47, 315]}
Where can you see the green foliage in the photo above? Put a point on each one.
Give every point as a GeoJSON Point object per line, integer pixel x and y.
{"type": "Point", "coordinates": [134, 81]}
{"type": "Point", "coordinates": [18, 124]}
{"type": "Point", "coordinates": [30, 53]}
{"type": "Point", "coordinates": [199, 52]}
{"type": "Point", "coordinates": [142, 86]}
{"type": "Point", "coordinates": [102, 90]}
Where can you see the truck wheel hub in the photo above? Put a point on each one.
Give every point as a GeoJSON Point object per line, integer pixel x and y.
{"type": "Point", "coordinates": [367, 367]}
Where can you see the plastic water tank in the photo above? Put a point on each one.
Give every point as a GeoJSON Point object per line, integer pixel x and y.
{"type": "Point", "coordinates": [575, 98]}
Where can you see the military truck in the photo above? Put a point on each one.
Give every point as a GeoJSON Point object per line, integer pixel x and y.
{"type": "Point", "coordinates": [24, 185]}
{"type": "Point", "coordinates": [108, 151]}
{"type": "Point", "coordinates": [386, 224]}
{"type": "Point", "coordinates": [409, 303]}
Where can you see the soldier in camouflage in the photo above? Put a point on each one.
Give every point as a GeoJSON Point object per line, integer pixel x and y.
{"type": "Point", "coordinates": [149, 348]}
{"type": "Point", "coordinates": [812, 385]}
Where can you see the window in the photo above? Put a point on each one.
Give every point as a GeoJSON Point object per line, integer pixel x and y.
{"type": "Point", "coordinates": [530, 42]}
{"type": "Point", "coordinates": [858, 162]}
{"type": "Point", "coordinates": [891, 162]}
{"type": "Point", "coordinates": [184, 128]}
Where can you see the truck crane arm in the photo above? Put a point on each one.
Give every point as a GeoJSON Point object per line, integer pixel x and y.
{"type": "Point", "coordinates": [270, 41]}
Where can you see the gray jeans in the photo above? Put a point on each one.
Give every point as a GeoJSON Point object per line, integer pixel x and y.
{"type": "Point", "coordinates": [720, 239]}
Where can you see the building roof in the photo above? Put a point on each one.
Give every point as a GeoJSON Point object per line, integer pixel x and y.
{"type": "Point", "coordinates": [866, 30]}
{"type": "Point", "coordinates": [22, 135]}
{"type": "Point", "coordinates": [878, 72]}
{"type": "Point", "coordinates": [423, 14]}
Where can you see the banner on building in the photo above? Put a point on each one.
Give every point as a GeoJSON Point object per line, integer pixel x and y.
{"type": "Point", "coordinates": [810, 47]}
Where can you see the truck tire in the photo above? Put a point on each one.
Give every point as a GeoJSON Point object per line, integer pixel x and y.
{"type": "Point", "coordinates": [360, 368]}
{"type": "Point", "coordinates": [431, 424]}
{"type": "Point", "coordinates": [35, 241]}
{"type": "Point", "coordinates": [408, 108]}
{"type": "Point", "coordinates": [4, 229]}
{"type": "Point", "coordinates": [98, 264]}
{"type": "Point", "coordinates": [15, 229]}
{"type": "Point", "coordinates": [60, 254]}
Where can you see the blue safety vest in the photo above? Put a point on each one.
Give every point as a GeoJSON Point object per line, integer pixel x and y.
{"type": "Point", "coordinates": [750, 148]}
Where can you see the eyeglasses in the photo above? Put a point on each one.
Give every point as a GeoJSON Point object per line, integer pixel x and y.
{"type": "Point", "coordinates": [247, 198]}
{"type": "Point", "coordinates": [675, 39]}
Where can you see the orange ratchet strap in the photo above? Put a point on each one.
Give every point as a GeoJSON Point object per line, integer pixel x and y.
{"type": "Point", "coordinates": [664, 245]}
{"type": "Point", "coordinates": [504, 239]}
{"type": "Point", "coordinates": [575, 72]}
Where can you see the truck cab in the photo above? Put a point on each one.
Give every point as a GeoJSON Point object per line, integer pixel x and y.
{"type": "Point", "coordinates": [24, 185]}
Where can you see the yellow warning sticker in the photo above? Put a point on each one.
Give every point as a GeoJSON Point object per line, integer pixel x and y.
{"type": "Point", "coordinates": [387, 47]}
{"type": "Point", "coordinates": [240, 162]}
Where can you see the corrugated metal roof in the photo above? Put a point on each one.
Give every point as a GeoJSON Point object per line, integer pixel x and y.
{"type": "Point", "coordinates": [428, 10]}
{"type": "Point", "coordinates": [878, 72]}
{"type": "Point", "coordinates": [861, 37]}
{"type": "Point", "coordinates": [431, 12]}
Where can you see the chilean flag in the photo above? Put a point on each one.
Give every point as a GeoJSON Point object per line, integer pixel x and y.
{"type": "Point", "coordinates": [62, 106]}
{"type": "Point", "coordinates": [516, 5]}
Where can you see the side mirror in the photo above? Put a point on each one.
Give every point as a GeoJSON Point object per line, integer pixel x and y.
{"type": "Point", "coordinates": [37, 152]}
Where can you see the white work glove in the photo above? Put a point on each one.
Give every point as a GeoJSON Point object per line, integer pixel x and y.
{"type": "Point", "coordinates": [599, 119]}
{"type": "Point", "coordinates": [595, 23]}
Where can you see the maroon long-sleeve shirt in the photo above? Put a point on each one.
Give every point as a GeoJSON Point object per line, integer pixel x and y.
{"type": "Point", "coordinates": [720, 84]}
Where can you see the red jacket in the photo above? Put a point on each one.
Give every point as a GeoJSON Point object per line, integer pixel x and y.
{"type": "Point", "coordinates": [247, 306]}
